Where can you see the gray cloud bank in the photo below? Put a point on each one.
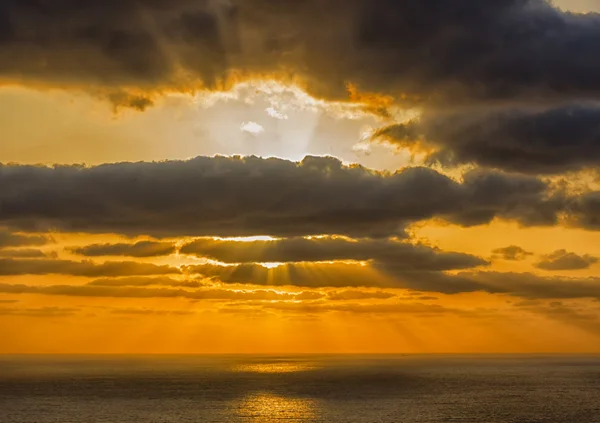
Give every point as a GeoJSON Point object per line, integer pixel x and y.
{"type": "Point", "coordinates": [445, 50]}
{"type": "Point", "coordinates": [252, 196]}
{"type": "Point", "coordinates": [529, 140]}
{"type": "Point", "coordinates": [331, 249]}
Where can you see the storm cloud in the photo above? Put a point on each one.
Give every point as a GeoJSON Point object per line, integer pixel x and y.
{"type": "Point", "coordinates": [251, 196]}
{"type": "Point", "coordinates": [528, 140]}
{"type": "Point", "coordinates": [433, 50]}
{"type": "Point", "coordinates": [331, 249]}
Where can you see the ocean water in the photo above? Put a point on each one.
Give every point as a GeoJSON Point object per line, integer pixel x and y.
{"type": "Point", "coordinates": [424, 389]}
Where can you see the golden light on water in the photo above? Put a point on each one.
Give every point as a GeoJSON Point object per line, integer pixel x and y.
{"type": "Point", "coordinates": [268, 407]}
{"type": "Point", "coordinates": [272, 368]}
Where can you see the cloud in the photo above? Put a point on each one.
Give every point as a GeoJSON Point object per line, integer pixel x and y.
{"type": "Point", "coordinates": [137, 292]}
{"type": "Point", "coordinates": [577, 317]}
{"type": "Point", "coordinates": [564, 260]}
{"type": "Point", "coordinates": [523, 285]}
{"type": "Point", "coordinates": [10, 239]}
{"type": "Point", "coordinates": [139, 249]}
{"type": "Point", "coordinates": [12, 267]}
{"type": "Point", "coordinates": [322, 275]}
{"type": "Point", "coordinates": [22, 253]}
{"type": "Point", "coordinates": [352, 295]}
{"type": "Point", "coordinates": [512, 252]}
{"type": "Point", "coordinates": [529, 140]}
{"type": "Point", "coordinates": [397, 308]}
{"type": "Point", "coordinates": [252, 128]}
{"type": "Point", "coordinates": [145, 281]}
{"type": "Point", "coordinates": [584, 211]}
{"type": "Point", "coordinates": [346, 275]}
{"type": "Point", "coordinates": [332, 275]}
{"type": "Point", "coordinates": [118, 45]}
{"type": "Point", "coordinates": [219, 196]}
{"type": "Point", "coordinates": [528, 285]}
{"type": "Point", "coordinates": [331, 249]}
{"type": "Point", "coordinates": [524, 48]}
{"type": "Point", "coordinates": [38, 312]}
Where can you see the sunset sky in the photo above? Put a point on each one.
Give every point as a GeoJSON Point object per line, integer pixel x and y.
{"type": "Point", "coordinates": [295, 176]}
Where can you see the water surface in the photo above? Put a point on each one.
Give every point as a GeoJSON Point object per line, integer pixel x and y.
{"type": "Point", "coordinates": [178, 389]}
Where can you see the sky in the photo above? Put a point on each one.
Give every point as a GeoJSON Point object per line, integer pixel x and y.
{"type": "Point", "coordinates": [308, 176]}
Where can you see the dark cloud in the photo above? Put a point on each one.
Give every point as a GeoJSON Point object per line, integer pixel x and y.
{"type": "Point", "coordinates": [138, 292]}
{"type": "Point", "coordinates": [22, 253]}
{"type": "Point", "coordinates": [529, 140]}
{"type": "Point", "coordinates": [115, 44]}
{"type": "Point", "coordinates": [221, 196]}
{"type": "Point", "coordinates": [12, 267]}
{"type": "Point", "coordinates": [564, 260]}
{"type": "Point", "coordinates": [500, 49]}
{"type": "Point", "coordinates": [10, 239]}
{"type": "Point", "coordinates": [584, 211]}
{"type": "Point", "coordinates": [528, 285]}
{"type": "Point", "coordinates": [322, 275]}
{"type": "Point", "coordinates": [524, 285]}
{"type": "Point", "coordinates": [434, 50]}
{"type": "Point", "coordinates": [146, 281]}
{"type": "Point", "coordinates": [286, 250]}
{"type": "Point", "coordinates": [139, 249]}
{"type": "Point", "coordinates": [512, 252]}
{"type": "Point", "coordinates": [344, 275]}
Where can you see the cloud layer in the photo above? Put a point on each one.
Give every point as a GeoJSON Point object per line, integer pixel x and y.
{"type": "Point", "coordinates": [523, 49]}
{"type": "Point", "coordinates": [139, 249]}
{"type": "Point", "coordinates": [528, 140]}
{"type": "Point", "coordinates": [251, 196]}
{"type": "Point", "coordinates": [564, 260]}
{"type": "Point", "coordinates": [408, 256]}
{"type": "Point", "coordinates": [15, 267]}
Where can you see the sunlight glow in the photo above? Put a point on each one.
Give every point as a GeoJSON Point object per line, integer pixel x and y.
{"type": "Point", "coordinates": [247, 239]}
{"type": "Point", "coordinates": [272, 265]}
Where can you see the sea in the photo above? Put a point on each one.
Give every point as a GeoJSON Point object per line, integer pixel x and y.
{"type": "Point", "coordinates": [307, 388]}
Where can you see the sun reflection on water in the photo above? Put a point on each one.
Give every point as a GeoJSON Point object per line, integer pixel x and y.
{"type": "Point", "coordinates": [267, 407]}
{"type": "Point", "coordinates": [274, 367]}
